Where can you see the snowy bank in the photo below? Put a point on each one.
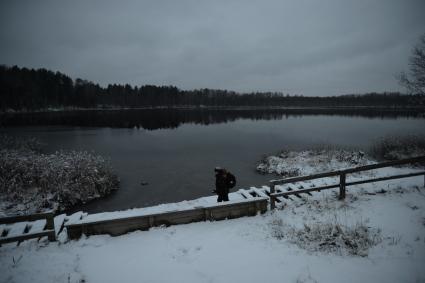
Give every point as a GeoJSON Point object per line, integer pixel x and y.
{"type": "Point", "coordinates": [307, 162]}
{"type": "Point", "coordinates": [31, 181]}
{"type": "Point", "coordinates": [385, 220]}
{"type": "Point", "coordinates": [327, 158]}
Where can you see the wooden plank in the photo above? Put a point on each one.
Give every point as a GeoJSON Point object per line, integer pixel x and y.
{"type": "Point", "coordinates": [386, 178]}
{"type": "Point", "coordinates": [75, 217]}
{"type": "Point", "coordinates": [385, 164]}
{"type": "Point", "coordinates": [16, 229]}
{"type": "Point", "coordinates": [260, 193]}
{"type": "Point", "coordinates": [266, 191]}
{"type": "Point", "coordinates": [195, 215]}
{"type": "Point", "coordinates": [349, 170]}
{"type": "Point", "coordinates": [133, 218]}
{"type": "Point", "coordinates": [306, 190]}
{"type": "Point", "coordinates": [272, 189]}
{"type": "Point", "coordinates": [304, 178]}
{"type": "Point", "coordinates": [303, 185]}
{"type": "Point", "coordinates": [219, 213]}
{"type": "Point", "coordinates": [342, 185]}
{"type": "Point", "coordinates": [20, 225]}
{"type": "Point", "coordinates": [246, 194]}
{"type": "Point", "coordinates": [26, 237]}
{"type": "Point", "coordinates": [281, 189]}
{"type": "Point", "coordinates": [292, 187]}
{"type": "Point", "coordinates": [121, 226]}
{"type": "Point", "coordinates": [37, 226]}
{"type": "Point", "coordinates": [21, 218]}
{"type": "Point", "coordinates": [282, 198]}
{"type": "Point", "coordinates": [114, 229]}
{"type": "Point", "coordinates": [59, 223]}
{"type": "Point", "coordinates": [353, 183]}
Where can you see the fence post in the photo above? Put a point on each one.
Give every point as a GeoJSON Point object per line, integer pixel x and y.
{"type": "Point", "coordinates": [50, 224]}
{"type": "Point", "coordinates": [272, 199]}
{"type": "Point", "coordinates": [342, 186]}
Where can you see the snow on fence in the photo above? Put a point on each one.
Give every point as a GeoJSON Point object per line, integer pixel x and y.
{"type": "Point", "coordinates": [121, 225]}
{"type": "Point", "coordinates": [27, 227]}
{"type": "Point", "coordinates": [342, 179]}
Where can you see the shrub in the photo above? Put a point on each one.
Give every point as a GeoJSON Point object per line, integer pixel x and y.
{"type": "Point", "coordinates": [329, 237]}
{"type": "Point", "coordinates": [396, 147]}
{"type": "Point", "coordinates": [31, 181]}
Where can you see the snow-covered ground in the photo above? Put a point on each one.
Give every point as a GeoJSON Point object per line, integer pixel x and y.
{"type": "Point", "coordinates": [306, 162]}
{"type": "Point", "coordinates": [377, 234]}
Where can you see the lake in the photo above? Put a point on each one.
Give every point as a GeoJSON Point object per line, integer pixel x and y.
{"type": "Point", "coordinates": [176, 150]}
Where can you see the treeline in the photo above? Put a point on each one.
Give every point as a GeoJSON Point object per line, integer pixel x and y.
{"type": "Point", "coordinates": [30, 89]}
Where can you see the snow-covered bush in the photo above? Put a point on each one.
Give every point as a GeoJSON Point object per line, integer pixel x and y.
{"type": "Point", "coordinates": [295, 163]}
{"type": "Point", "coordinates": [335, 238]}
{"type": "Point", "coordinates": [31, 181]}
{"type": "Point", "coordinates": [395, 148]}
{"type": "Point", "coordinates": [328, 237]}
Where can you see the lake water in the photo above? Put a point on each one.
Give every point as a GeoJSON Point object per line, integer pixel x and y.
{"type": "Point", "coordinates": [175, 151]}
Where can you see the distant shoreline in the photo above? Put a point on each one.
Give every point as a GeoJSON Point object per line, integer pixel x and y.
{"type": "Point", "coordinates": [202, 107]}
{"type": "Point", "coordinates": [172, 117]}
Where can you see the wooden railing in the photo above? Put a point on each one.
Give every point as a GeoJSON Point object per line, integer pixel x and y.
{"type": "Point", "coordinates": [342, 178]}
{"type": "Point", "coordinates": [48, 230]}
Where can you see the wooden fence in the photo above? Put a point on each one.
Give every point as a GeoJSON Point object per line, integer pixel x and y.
{"type": "Point", "coordinates": [123, 225]}
{"type": "Point", "coordinates": [342, 179]}
{"type": "Point", "coordinates": [26, 233]}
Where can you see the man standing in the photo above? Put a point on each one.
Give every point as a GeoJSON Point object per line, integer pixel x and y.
{"type": "Point", "coordinates": [224, 181]}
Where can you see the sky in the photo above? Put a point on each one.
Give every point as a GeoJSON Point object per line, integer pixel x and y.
{"type": "Point", "coordinates": [308, 47]}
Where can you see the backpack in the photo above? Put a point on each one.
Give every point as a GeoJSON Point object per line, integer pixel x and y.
{"type": "Point", "coordinates": [231, 180]}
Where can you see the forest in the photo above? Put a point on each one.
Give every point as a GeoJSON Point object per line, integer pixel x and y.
{"type": "Point", "coordinates": [40, 89]}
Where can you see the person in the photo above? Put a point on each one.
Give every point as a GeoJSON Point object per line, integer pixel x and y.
{"type": "Point", "coordinates": [224, 181]}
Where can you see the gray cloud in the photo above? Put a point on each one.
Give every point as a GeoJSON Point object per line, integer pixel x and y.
{"type": "Point", "coordinates": [311, 47]}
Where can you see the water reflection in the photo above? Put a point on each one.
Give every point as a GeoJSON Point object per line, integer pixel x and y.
{"type": "Point", "coordinates": [152, 119]}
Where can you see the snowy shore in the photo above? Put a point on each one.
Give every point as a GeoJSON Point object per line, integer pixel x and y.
{"type": "Point", "coordinates": [306, 162]}
{"type": "Point", "coordinates": [297, 163]}
{"type": "Point", "coordinates": [375, 235]}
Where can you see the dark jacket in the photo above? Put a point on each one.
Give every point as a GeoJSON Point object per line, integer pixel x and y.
{"type": "Point", "coordinates": [224, 181]}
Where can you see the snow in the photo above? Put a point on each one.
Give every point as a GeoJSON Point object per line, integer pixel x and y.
{"type": "Point", "coordinates": [307, 162]}
{"type": "Point", "coordinates": [36, 226]}
{"type": "Point", "coordinates": [247, 249]}
{"type": "Point", "coordinates": [203, 202]}
{"type": "Point", "coordinates": [16, 229]}
{"type": "Point", "coordinates": [377, 234]}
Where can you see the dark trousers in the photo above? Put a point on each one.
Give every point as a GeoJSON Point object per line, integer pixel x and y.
{"type": "Point", "coordinates": [223, 196]}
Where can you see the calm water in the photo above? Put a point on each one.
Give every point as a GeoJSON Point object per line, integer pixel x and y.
{"type": "Point", "coordinates": [177, 157]}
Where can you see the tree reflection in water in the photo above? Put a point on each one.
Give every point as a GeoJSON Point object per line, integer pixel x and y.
{"type": "Point", "coordinates": [152, 119]}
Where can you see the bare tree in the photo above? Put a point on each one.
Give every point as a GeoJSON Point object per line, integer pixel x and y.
{"type": "Point", "coordinates": [414, 81]}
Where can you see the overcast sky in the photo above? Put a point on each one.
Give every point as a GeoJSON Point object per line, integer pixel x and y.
{"type": "Point", "coordinates": [315, 47]}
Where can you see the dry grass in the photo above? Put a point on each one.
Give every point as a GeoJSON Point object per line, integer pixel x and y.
{"type": "Point", "coordinates": [398, 147]}
{"type": "Point", "coordinates": [31, 181]}
{"type": "Point", "coordinates": [330, 237]}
